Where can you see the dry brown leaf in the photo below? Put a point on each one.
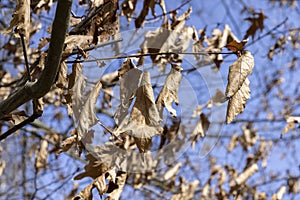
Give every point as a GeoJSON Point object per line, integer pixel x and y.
{"type": "Point", "coordinates": [120, 182]}
{"type": "Point", "coordinates": [128, 7]}
{"type": "Point", "coordinates": [76, 85]}
{"type": "Point", "coordinates": [236, 46]}
{"type": "Point", "coordinates": [94, 168]}
{"type": "Point", "coordinates": [142, 16]}
{"type": "Point", "coordinates": [238, 72]}
{"type": "Point", "coordinates": [242, 177]}
{"type": "Point", "coordinates": [144, 118]}
{"type": "Point", "coordinates": [2, 166]}
{"type": "Point", "coordinates": [41, 155]}
{"type": "Point", "coordinates": [216, 42]}
{"type": "Point", "coordinates": [291, 120]}
{"type": "Point", "coordinates": [129, 81]}
{"type": "Point", "coordinates": [200, 129]}
{"type": "Point", "coordinates": [62, 76]}
{"type": "Point", "coordinates": [68, 143]}
{"type": "Point", "coordinates": [233, 142]}
{"type": "Point", "coordinates": [87, 116]}
{"type": "Point", "coordinates": [238, 88]}
{"type": "Point", "coordinates": [173, 38]}
{"type": "Point", "coordinates": [100, 184]}
{"type": "Point", "coordinates": [172, 171]}
{"type": "Point", "coordinates": [249, 137]}
{"type": "Point", "coordinates": [79, 41]}
{"type": "Point", "coordinates": [279, 194]}
{"type": "Point", "coordinates": [21, 19]}
{"type": "Point", "coordinates": [257, 23]}
{"type": "Point", "coordinates": [169, 92]}
{"type": "Point", "coordinates": [37, 6]}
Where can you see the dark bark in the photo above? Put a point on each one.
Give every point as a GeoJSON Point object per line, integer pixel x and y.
{"type": "Point", "coordinates": [34, 90]}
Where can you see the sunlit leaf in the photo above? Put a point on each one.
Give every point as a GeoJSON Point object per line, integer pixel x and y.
{"type": "Point", "coordinates": [87, 116]}
{"type": "Point", "coordinates": [238, 88]}
{"type": "Point", "coordinates": [169, 92]}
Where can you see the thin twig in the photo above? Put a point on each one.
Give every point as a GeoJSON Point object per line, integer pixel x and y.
{"type": "Point", "coordinates": [25, 56]}
{"type": "Point", "coordinates": [150, 54]}
{"type": "Point", "coordinates": [164, 14]}
{"type": "Point", "coordinates": [19, 126]}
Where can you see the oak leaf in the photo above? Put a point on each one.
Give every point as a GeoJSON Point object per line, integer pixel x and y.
{"type": "Point", "coordinates": [257, 22]}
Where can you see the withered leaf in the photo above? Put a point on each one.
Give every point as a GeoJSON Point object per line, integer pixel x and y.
{"type": "Point", "coordinates": [144, 117]}
{"type": "Point", "coordinates": [237, 102]}
{"type": "Point", "coordinates": [201, 128]}
{"type": "Point", "coordinates": [257, 22]}
{"type": "Point", "coordinates": [238, 88]}
{"type": "Point", "coordinates": [62, 76]}
{"type": "Point", "coordinates": [291, 120]}
{"type": "Point", "coordinates": [242, 177]}
{"type": "Point", "coordinates": [236, 46]}
{"type": "Point", "coordinates": [87, 116]}
{"type": "Point", "coordinates": [99, 183]}
{"type": "Point", "coordinates": [169, 92]}
{"type": "Point", "coordinates": [41, 155]}
{"type": "Point", "coordinates": [120, 182]}
{"type": "Point", "coordinates": [172, 171]}
{"type": "Point", "coordinates": [238, 72]}
{"type": "Point", "coordinates": [21, 19]}
{"type": "Point", "coordinates": [128, 7]}
{"type": "Point", "coordinates": [72, 41]}
{"type": "Point", "coordinates": [129, 81]}
{"type": "Point", "coordinates": [76, 85]}
{"type": "Point", "coordinates": [173, 38]}
{"type": "Point", "coordinates": [93, 168]}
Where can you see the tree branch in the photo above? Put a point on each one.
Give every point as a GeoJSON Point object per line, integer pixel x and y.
{"type": "Point", "coordinates": [32, 90]}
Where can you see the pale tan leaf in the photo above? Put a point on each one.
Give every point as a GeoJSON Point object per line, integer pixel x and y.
{"type": "Point", "coordinates": [129, 81]}
{"type": "Point", "coordinates": [2, 166]}
{"type": "Point", "coordinates": [172, 171]}
{"type": "Point", "coordinates": [279, 194]}
{"type": "Point", "coordinates": [144, 118]}
{"type": "Point", "coordinates": [291, 120]}
{"type": "Point", "coordinates": [242, 177]}
{"type": "Point", "coordinates": [41, 155]}
{"type": "Point", "coordinates": [202, 126]}
{"type": "Point", "coordinates": [62, 76]}
{"type": "Point", "coordinates": [120, 182]}
{"type": "Point", "coordinates": [93, 168]}
{"type": "Point", "coordinates": [68, 143]}
{"type": "Point", "coordinates": [86, 193]}
{"type": "Point", "coordinates": [21, 19]}
{"type": "Point", "coordinates": [238, 72]}
{"type": "Point", "coordinates": [80, 41]}
{"type": "Point", "coordinates": [77, 83]}
{"type": "Point", "coordinates": [87, 116]}
{"type": "Point", "coordinates": [144, 110]}
{"type": "Point", "coordinates": [233, 142]}
{"type": "Point", "coordinates": [169, 92]}
{"type": "Point", "coordinates": [217, 99]}
{"type": "Point", "coordinates": [128, 7]}
{"type": "Point", "coordinates": [237, 102]}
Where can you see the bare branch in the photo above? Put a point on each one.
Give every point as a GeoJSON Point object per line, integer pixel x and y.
{"type": "Point", "coordinates": [39, 88]}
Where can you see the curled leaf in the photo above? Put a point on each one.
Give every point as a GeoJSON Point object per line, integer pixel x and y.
{"type": "Point", "coordinates": [238, 72]}
{"type": "Point", "coordinates": [238, 88]}
{"type": "Point", "coordinates": [169, 92]}
{"type": "Point", "coordinates": [87, 116]}
{"type": "Point", "coordinates": [144, 117]}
